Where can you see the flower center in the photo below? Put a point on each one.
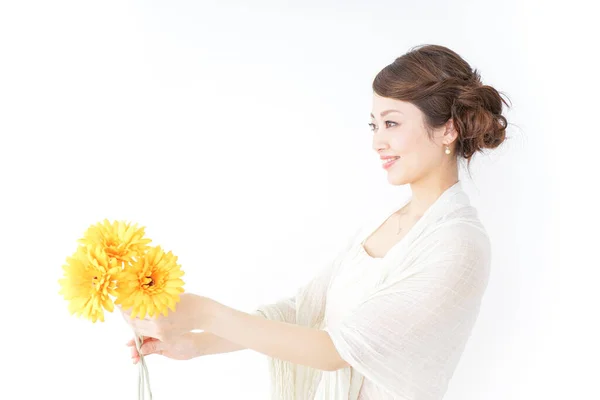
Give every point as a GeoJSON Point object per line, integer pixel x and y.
{"type": "Point", "coordinates": [149, 282]}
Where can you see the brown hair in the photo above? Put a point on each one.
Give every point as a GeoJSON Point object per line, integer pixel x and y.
{"type": "Point", "coordinates": [442, 85]}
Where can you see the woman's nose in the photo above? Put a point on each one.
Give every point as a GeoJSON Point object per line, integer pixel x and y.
{"type": "Point", "coordinates": [379, 143]}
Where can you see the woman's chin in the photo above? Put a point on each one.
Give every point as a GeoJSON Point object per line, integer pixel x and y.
{"type": "Point", "coordinates": [397, 179]}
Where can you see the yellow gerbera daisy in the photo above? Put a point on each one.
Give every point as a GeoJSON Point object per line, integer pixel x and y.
{"type": "Point", "coordinates": [151, 285]}
{"type": "Point", "coordinates": [88, 283]}
{"type": "Point", "coordinates": [122, 242]}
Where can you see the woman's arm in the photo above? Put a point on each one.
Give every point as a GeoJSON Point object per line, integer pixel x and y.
{"type": "Point", "coordinates": [209, 343]}
{"type": "Point", "coordinates": [281, 340]}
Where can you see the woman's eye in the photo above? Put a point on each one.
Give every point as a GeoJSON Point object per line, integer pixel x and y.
{"type": "Point", "coordinates": [372, 125]}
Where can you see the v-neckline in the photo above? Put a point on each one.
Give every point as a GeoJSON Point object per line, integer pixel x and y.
{"type": "Point", "coordinates": [409, 232]}
{"type": "Point", "coordinates": [371, 232]}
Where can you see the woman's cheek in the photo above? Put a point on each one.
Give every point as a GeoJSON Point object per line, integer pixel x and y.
{"type": "Point", "coordinates": [400, 145]}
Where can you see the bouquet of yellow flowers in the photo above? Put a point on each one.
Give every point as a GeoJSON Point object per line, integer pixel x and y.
{"type": "Point", "coordinates": [114, 264]}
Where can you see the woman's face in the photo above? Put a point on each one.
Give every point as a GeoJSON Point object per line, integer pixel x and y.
{"type": "Point", "coordinates": [399, 131]}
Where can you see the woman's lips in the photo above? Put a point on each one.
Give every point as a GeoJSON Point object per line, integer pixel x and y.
{"type": "Point", "coordinates": [389, 163]}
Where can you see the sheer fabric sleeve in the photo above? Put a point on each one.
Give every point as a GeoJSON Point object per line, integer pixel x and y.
{"type": "Point", "coordinates": [408, 335]}
{"type": "Point", "coordinates": [312, 294]}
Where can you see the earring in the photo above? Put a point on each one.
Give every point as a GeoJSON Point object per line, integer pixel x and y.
{"type": "Point", "coordinates": [447, 151]}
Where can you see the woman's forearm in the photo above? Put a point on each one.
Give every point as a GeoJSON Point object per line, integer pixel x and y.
{"type": "Point", "coordinates": [208, 343]}
{"type": "Point", "coordinates": [281, 340]}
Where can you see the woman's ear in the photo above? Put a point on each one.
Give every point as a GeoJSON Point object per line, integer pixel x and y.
{"type": "Point", "coordinates": [450, 133]}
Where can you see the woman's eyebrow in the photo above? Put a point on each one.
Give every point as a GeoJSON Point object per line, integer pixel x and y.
{"type": "Point", "coordinates": [386, 112]}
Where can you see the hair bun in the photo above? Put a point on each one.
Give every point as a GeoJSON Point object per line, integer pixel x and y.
{"type": "Point", "coordinates": [477, 116]}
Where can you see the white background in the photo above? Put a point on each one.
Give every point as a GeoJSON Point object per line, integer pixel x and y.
{"type": "Point", "coordinates": [236, 132]}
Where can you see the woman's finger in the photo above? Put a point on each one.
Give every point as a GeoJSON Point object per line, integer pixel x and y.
{"type": "Point", "coordinates": [131, 342]}
{"type": "Point", "coordinates": [151, 346]}
{"type": "Point", "coordinates": [133, 349]}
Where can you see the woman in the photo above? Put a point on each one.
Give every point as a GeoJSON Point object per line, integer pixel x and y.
{"type": "Point", "coordinates": [390, 316]}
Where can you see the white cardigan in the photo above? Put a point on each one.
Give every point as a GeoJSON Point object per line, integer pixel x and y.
{"type": "Point", "coordinates": [402, 329]}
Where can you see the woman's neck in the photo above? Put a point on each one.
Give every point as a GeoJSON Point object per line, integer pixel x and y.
{"type": "Point", "coordinates": [425, 193]}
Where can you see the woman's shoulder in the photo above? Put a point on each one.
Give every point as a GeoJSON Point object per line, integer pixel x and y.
{"type": "Point", "coordinates": [464, 221]}
{"type": "Point", "coordinates": [461, 230]}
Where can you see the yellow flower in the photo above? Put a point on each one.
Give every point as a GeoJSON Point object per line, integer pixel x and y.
{"type": "Point", "coordinates": [122, 242]}
{"type": "Point", "coordinates": [88, 282]}
{"type": "Point", "coordinates": [151, 285]}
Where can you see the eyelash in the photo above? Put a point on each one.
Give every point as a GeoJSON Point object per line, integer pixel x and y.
{"type": "Point", "coordinates": [372, 125]}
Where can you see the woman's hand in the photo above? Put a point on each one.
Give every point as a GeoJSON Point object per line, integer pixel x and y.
{"type": "Point", "coordinates": [185, 347]}
{"type": "Point", "coordinates": [191, 312]}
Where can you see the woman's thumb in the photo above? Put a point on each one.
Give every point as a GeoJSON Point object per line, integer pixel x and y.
{"type": "Point", "coordinates": [151, 346]}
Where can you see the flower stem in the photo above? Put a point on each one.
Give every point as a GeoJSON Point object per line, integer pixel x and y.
{"type": "Point", "coordinates": [143, 375]}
